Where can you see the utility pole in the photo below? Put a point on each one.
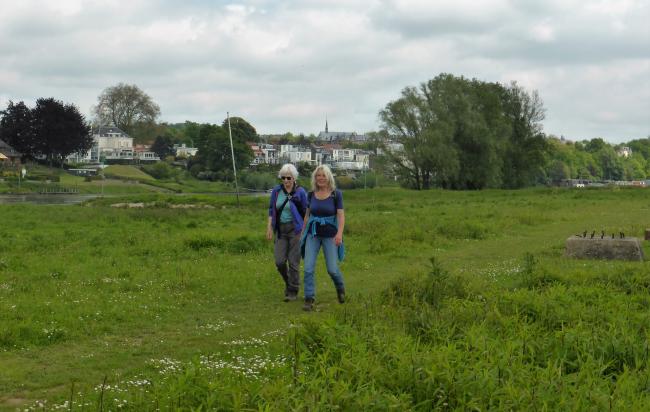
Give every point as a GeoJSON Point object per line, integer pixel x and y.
{"type": "Point", "coordinates": [232, 153]}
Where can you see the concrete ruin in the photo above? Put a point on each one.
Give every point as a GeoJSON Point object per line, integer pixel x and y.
{"type": "Point", "coordinates": [606, 248]}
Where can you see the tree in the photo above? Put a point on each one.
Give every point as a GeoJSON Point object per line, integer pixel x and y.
{"type": "Point", "coordinates": [163, 146]}
{"type": "Point", "coordinates": [241, 130]}
{"type": "Point", "coordinates": [558, 171]}
{"type": "Point", "coordinates": [454, 132]}
{"type": "Point", "coordinates": [59, 129]}
{"type": "Point", "coordinates": [51, 128]}
{"type": "Point", "coordinates": [214, 152]}
{"type": "Point", "coordinates": [16, 128]}
{"type": "Point", "coordinates": [526, 147]}
{"type": "Point", "coordinates": [126, 106]}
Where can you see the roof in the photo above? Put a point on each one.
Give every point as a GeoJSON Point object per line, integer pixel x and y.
{"type": "Point", "coordinates": [8, 151]}
{"type": "Point", "coordinates": [106, 130]}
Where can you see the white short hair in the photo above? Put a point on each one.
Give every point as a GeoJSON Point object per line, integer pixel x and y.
{"type": "Point", "coordinates": [290, 169]}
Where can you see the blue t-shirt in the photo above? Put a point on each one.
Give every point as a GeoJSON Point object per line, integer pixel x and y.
{"type": "Point", "coordinates": [327, 207]}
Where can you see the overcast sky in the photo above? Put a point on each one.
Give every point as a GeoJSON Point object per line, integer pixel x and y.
{"type": "Point", "coordinates": [284, 65]}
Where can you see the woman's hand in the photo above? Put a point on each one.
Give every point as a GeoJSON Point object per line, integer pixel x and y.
{"type": "Point", "coordinates": [338, 239]}
{"type": "Point", "coordinates": [269, 233]}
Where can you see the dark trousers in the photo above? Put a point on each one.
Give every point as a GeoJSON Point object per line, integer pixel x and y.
{"type": "Point", "coordinates": [287, 257]}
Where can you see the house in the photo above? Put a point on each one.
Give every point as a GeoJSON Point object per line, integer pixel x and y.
{"type": "Point", "coordinates": [624, 152]}
{"type": "Point", "coordinates": [184, 151]}
{"type": "Point", "coordinates": [270, 154]}
{"type": "Point", "coordinates": [143, 153]}
{"type": "Point", "coordinates": [112, 145]}
{"type": "Point", "coordinates": [8, 154]}
{"type": "Point", "coordinates": [295, 154]}
{"type": "Point", "coordinates": [258, 154]}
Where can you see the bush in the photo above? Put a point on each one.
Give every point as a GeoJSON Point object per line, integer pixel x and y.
{"type": "Point", "coordinates": [258, 181]}
{"type": "Point", "coordinates": [160, 170]}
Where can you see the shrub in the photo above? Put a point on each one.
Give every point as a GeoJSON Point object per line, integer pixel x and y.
{"type": "Point", "coordinates": [160, 170]}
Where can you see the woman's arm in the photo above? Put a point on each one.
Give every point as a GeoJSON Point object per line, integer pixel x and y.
{"type": "Point", "coordinates": [340, 221]}
{"type": "Point", "coordinates": [269, 229]}
{"type": "Point", "coordinates": [304, 223]}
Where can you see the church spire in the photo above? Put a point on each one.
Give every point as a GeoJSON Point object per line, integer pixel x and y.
{"type": "Point", "coordinates": [325, 123]}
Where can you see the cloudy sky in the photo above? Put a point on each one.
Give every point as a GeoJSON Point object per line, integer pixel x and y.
{"type": "Point", "coordinates": [286, 64]}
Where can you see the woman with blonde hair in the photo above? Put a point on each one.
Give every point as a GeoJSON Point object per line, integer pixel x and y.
{"type": "Point", "coordinates": [286, 211]}
{"type": "Point", "coordinates": [323, 227]}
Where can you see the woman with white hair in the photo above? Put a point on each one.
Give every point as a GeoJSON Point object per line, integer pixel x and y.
{"type": "Point", "coordinates": [286, 211]}
{"type": "Point", "coordinates": [324, 223]}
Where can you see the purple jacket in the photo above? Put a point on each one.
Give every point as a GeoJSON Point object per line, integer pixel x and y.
{"type": "Point", "coordinates": [298, 204]}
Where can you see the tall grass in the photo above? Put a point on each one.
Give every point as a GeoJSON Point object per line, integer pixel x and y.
{"type": "Point", "coordinates": [180, 309]}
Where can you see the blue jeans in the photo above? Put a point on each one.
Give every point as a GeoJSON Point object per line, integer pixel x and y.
{"type": "Point", "coordinates": [330, 250]}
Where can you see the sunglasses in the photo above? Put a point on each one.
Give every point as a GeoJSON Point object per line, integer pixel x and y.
{"type": "Point", "coordinates": [286, 177]}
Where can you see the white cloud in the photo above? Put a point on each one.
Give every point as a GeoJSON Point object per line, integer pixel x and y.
{"type": "Point", "coordinates": [283, 65]}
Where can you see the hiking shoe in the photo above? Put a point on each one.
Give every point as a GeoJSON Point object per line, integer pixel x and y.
{"type": "Point", "coordinates": [309, 305]}
{"type": "Point", "coordinates": [340, 294]}
{"type": "Point", "coordinates": [290, 297]}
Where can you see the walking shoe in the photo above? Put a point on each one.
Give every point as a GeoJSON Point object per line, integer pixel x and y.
{"type": "Point", "coordinates": [340, 294]}
{"type": "Point", "coordinates": [309, 305]}
{"type": "Point", "coordinates": [290, 297]}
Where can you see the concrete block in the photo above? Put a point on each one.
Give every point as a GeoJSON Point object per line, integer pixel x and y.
{"type": "Point", "coordinates": [607, 248]}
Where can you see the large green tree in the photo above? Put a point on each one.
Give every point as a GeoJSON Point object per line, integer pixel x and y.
{"type": "Point", "coordinates": [127, 107]}
{"type": "Point", "coordinates": [241, 129]}
{"type": "Point", "coordinates": [51, 129]}
{"type": "Point", "coordinates": [460, 133]}
{"type": "Point", "coordinates": [214, 153]}
{"type": "Point", "coordinates": [16, 128]}
{"type": "Point", "coordinates": [526, 146]}
{"type": "Point", "coordinates": [163, 146]}
{"type": "Point", "coordinates": [59, 129]}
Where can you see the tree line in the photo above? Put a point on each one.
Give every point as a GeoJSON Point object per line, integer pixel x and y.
{"type": "Point", "coordinates": [457, 133]}
{"type": "Point", "coordinates": [461, 133]}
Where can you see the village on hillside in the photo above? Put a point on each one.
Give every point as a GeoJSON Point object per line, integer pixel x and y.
{"type": "Point", "coordinates": [111, 145]}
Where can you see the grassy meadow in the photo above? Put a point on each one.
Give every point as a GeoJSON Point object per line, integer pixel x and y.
{"type": "Point", "coordinates": [117, 180]}
{"type": "Point", "coordinates": [456, 301]}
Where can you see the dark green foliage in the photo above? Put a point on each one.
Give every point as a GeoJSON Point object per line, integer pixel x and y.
{"type": "Point", "coordinates": [160, 170]}
{"type": "Point", "coordinates": [466, 134]}
{"type": "Point", "coordinates": [51, 128]}
{"type": "Point", "coordinates": [163, 146]}
{"type": "Point", "coordinates": [214, 154]}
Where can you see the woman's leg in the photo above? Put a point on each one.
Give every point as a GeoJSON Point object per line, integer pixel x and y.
{"type": "Point", "coordinates": [312, 246]}
{"type": "Point", "coordinates": [280, 253]}
{"type": "Point", "coordinates": [293, 278]}
{"type": "Point", "coordinates": [330, 251]}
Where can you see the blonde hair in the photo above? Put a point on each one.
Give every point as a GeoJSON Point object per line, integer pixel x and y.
{"type": "Point", "coordinates": [325, 169]}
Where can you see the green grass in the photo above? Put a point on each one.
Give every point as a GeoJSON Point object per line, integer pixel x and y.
{"type": "Point", "coordinates": [126, 172]}
{"type": "Point", "coordinates": [120, 179]}
{"type": "Point", "coordinates": [175, 308]}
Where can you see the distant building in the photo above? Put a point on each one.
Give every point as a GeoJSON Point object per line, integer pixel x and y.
{"type": "Point", "coordinates": [295, 154]}
{"type": "Point", "coordinates": [327, 136]}
{"type": "Point", "coordinates": [624, 152]}
{"type": "Point", "coordinates": [112, 145]}
{"type": "Point", "coordinates": [8, 154]}
{"type": "Point", "coordinates": [184, 151]}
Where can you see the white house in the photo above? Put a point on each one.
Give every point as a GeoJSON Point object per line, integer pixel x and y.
{"type": "Point", "coordinates": [184, 151]}
{"type": "Point", "coordinates": [270, 154]}
{"type": "Point", "coordinates": [625, 152]}
{"type": "Point", "coordinates": [109, 143]}
{"type": "Point", "coordinates": [295, 154]}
